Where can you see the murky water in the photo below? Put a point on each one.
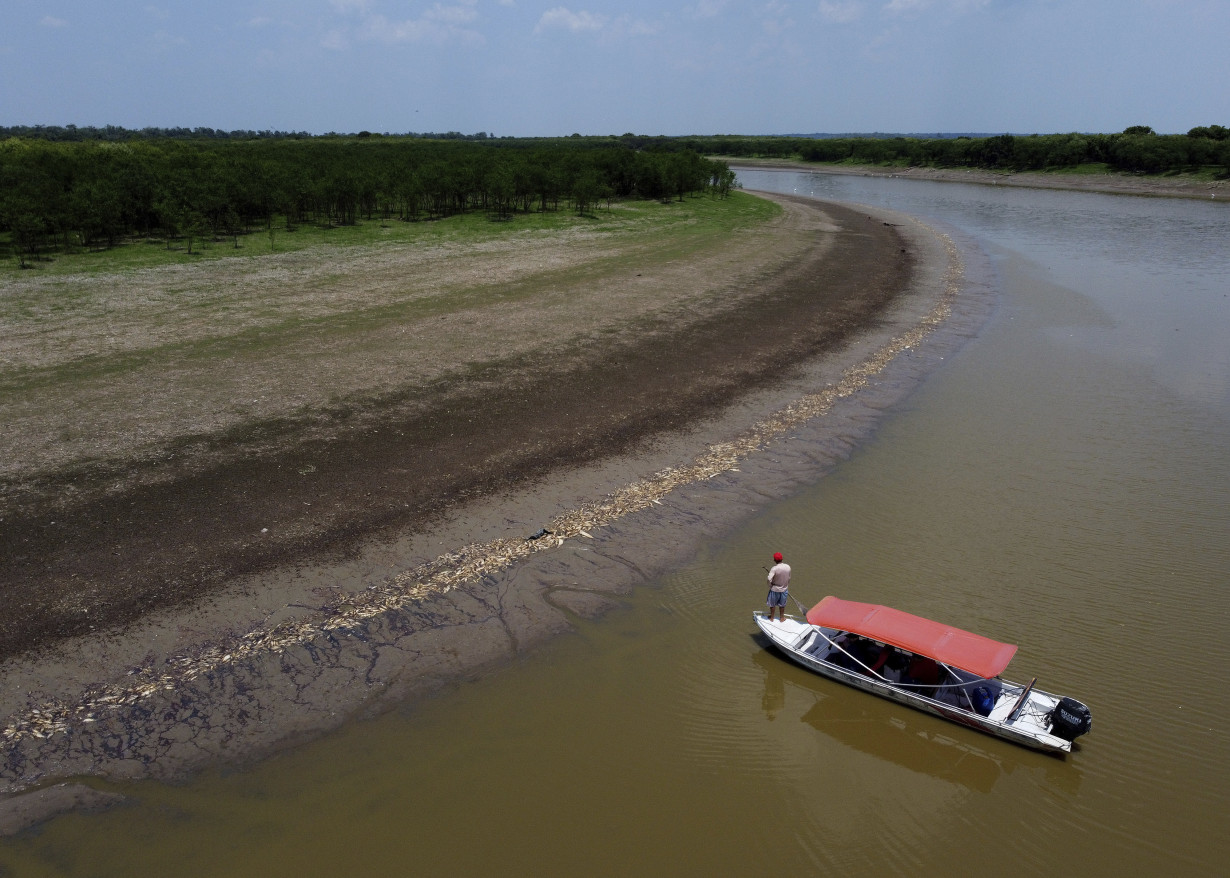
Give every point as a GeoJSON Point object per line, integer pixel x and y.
{"type": "Point", "coordinates": [1063, 483]}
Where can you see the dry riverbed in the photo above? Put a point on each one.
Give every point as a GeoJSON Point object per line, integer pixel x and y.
{"type": "Point", "coordinates": [398, 467]}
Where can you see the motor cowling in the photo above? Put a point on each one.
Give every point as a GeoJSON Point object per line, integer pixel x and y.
{"type": "Point", "coordinates": [1070, 719]}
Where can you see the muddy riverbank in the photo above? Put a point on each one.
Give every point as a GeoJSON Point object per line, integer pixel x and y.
{"type": "Point", "coordinates": [426, 545]}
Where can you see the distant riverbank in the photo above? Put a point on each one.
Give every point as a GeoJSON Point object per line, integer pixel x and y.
{"type": "Point", "coordinates": [1117, 184]}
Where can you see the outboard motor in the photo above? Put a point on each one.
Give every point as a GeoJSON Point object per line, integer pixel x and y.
{"type": "Point", "coordinates": [1070, 719]}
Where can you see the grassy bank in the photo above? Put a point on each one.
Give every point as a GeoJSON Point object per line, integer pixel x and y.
{"type": "Point", "coordinates": [472, 227]}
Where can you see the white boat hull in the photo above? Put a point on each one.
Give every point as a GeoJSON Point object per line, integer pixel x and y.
{"type": "Point", "coordinates": [1021, 723]}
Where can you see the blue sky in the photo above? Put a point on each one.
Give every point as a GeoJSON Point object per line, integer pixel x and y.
{"type": "Point", "coordinates": [523, 67]}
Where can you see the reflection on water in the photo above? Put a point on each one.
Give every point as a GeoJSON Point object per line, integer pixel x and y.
{"type": "Point", "coordinates": [1062, 484]}
{"type": "Point", "coordinates": [774, 687]}
{"type": "Point", "coordinates": [1158, 266]}
{"type": "Point", "coordinates": [924, 751]}
{"type": "Point", "coordinates": [883, 731]}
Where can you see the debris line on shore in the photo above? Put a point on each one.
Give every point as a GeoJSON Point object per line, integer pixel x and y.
{"type": "Point", "coordinates": [473, 562]}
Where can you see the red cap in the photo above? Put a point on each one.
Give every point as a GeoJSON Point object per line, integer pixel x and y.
{"type": "Point", "coordinates": [777, 556]}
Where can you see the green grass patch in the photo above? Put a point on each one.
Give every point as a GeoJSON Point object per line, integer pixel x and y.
{"type": "Point", "coordinates": [474, 227]}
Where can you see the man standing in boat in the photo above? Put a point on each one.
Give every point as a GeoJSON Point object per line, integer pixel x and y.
{"type": "Point", "coordinates": [779, 587]}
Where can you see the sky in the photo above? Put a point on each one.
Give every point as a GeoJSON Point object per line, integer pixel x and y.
{"type": "Point", "coordinates": [527, 68]}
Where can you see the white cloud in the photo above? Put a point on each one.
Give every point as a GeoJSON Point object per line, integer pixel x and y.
{"type": "Point", "coordinates": [379, 28]}
{"type": "Point", "coordinates": [335, 40]}
{"type": "Point", "coordinates": [609, 29]}
{"type": "Point", "coordinates": [451, 15]}
{"type": "Point", "coordinates": [776, 18]}
{"type": "Point", "coordinates": [901, 7]}
{"type": "Point", "coordinates": [560, 17]}
{"type": "Point", "coordinates": [842, 13]}
{"type": "Point", "coordinates": [709, 8]}
{"type": "Point", "coordinates": [882, 43]}
{"type": "Point", "coordinates": [906, 7]}
{"type": "Point", "coordinates": [165, 42]}
{"type": "Point", "coordinates": [441, 23]}
{"type": "Point", "coordinates": [640, 28]}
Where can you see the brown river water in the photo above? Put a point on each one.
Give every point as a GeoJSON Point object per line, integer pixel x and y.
{"type": "Point", "coordinates": [1062, 482]}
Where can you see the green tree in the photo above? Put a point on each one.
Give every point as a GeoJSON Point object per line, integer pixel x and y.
{"type": "Point", "coordinates": [1210, 132]}
{"type": "Point", "coordinates": [502, 190]}
{"type": "Point", "coordinates": [585, 191]}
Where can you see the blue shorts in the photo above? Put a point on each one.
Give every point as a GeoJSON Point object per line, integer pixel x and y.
{"type": "Point", "coordinates": [777, 598]}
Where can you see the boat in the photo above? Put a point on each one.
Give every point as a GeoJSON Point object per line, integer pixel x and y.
{"type": "Point", "coordinates": [927, 665]}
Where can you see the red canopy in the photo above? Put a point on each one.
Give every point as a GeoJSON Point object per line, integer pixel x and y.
{"type": "Point", "coordinates": [952, 646]}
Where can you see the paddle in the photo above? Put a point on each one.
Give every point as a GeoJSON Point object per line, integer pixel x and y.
{"type": "Point", "coordinates": [1020, 702]}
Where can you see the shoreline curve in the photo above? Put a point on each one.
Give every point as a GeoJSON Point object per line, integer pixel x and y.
{"type": "Point", "coordinates": [1108, 184]}
{"type": "Point", "coordinates": [238, 695]}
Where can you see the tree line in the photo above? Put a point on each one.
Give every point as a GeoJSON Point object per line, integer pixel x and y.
{"type": "Point", "coordinates": [64, 188]}
{"type": "Point", "coordinates": [73, 194]}
{"type": "Point", "coordinates": [118, 133]}
{"type": "Point", "coordinates": [1135, 150]}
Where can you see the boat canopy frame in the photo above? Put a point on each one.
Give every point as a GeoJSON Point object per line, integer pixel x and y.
{"type": "Point", "coordinates": [970, 652]}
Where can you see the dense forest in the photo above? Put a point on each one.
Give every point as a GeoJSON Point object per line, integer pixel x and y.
{"type": "Point", "coordinates": [70, 188]}
{"type": "Point", "coordinates": [117, 133]}
{"type": "Point", "coordinates": [70, 194]}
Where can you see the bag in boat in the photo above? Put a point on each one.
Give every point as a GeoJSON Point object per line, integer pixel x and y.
{"type": "Point", "coordinates": [982, 701]}
{"type": "Point", "coordinates": [1070, 719]}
